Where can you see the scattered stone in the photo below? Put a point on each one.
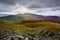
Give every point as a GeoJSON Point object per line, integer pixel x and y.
{"type": "Point", "coordinates": [44, 35]}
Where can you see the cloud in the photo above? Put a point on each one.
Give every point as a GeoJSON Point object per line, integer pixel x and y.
{"type": "Point", "coordinates": [41, 11]}
{"type": "Point", "coordinates": [45, 3]}
{"type": "Point", "coordinates": [6, 8]}
{"type": "Point", "coordinates": [33, 3]}
{"type": "Point", "coordinates": [50, 13]}
{"type": "Point", "coordinates": [41, 7]}
{"type": "Point", "coordinates": [8, 13]}
{"type": "Point", "coordinates": [20, 10]}
{"type": "Point", "coordinates": [9, 2]}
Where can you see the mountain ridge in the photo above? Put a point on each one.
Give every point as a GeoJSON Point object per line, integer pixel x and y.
{"type": "Point", "coordinates": [28, 16]}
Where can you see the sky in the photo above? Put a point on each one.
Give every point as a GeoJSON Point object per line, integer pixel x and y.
{"type": "Point", "coordinates": [40, 7]}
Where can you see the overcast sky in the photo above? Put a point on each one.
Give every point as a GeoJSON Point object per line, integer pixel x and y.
{"type": "Point", "coordinates": [41, 7]}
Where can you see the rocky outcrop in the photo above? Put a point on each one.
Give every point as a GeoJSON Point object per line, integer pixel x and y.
{"type": "Point", "coordinates": [44, 35]}
{"type": "Point", "coordinates": [48, 35]}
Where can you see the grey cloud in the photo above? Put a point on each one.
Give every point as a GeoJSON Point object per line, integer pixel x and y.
{"type": "Point", "coordinates": [9, 2]}
{"type": "Point", "coordinates": [5, 5]}
{"type": "Point", "coordinates": [45, 3]}
{"type": "Point", "coordinates": [5, 8]}
{"type": "Point", "coordinates": [33, 3]}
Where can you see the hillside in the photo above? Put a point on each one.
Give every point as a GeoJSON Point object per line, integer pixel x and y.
{"type": "Point", "coordinates": [11, 17]}
{"type": "Point", "coordinates": [10, 26]}
{"type": "Point", "coordinates": [24, 23]}
{"type": "Point", "coordinates": [24, 26]}
{"type": "Point", "coordinates": [41, 25]}
{"type": "Point", "coordinates": [28, 16]}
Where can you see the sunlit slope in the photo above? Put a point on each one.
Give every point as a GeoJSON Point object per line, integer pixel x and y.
{"type": "Point", "coordinates": [5, 25]}
{"type": "Point", "coordinates": [28, 26]}
{"type": "Point", "coordinates": [41, 25]}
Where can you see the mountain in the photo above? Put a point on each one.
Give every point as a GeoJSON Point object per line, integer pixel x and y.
{"type": "Point", "coordinates": [11, 17]}
{"type": "Point", "coordinates": [28, 16]}
{"type": "Point", "coordinates": [31, 24]}
{"type": "Point", "coordinates": [53, 18]}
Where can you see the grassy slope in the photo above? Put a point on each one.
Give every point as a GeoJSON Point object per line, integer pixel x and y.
{"type": "Point", "coordinates": [27, 26]}
{"type": "Point", "coordinates": [41, 25]}
{"type": "Point", "coordinates": [5, 25]}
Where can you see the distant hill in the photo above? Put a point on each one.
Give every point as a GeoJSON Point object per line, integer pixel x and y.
{"type": "Point", "coordinates": [11, 17]}
{"type": "Point", "coordinates": [28, 16]}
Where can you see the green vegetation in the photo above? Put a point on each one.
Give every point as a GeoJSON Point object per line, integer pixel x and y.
{"type": "Point", "coordinates": [41, 25]}
{"type": "Point", "coordinates": [11, 18]}
{"type": "Point", "coordinates": [6, 25]}
{"type": "Point", "coordinates": [30, 26]}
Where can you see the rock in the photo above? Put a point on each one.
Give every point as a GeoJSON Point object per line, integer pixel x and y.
{"type": "Point", "coordinates": [44, 35]}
